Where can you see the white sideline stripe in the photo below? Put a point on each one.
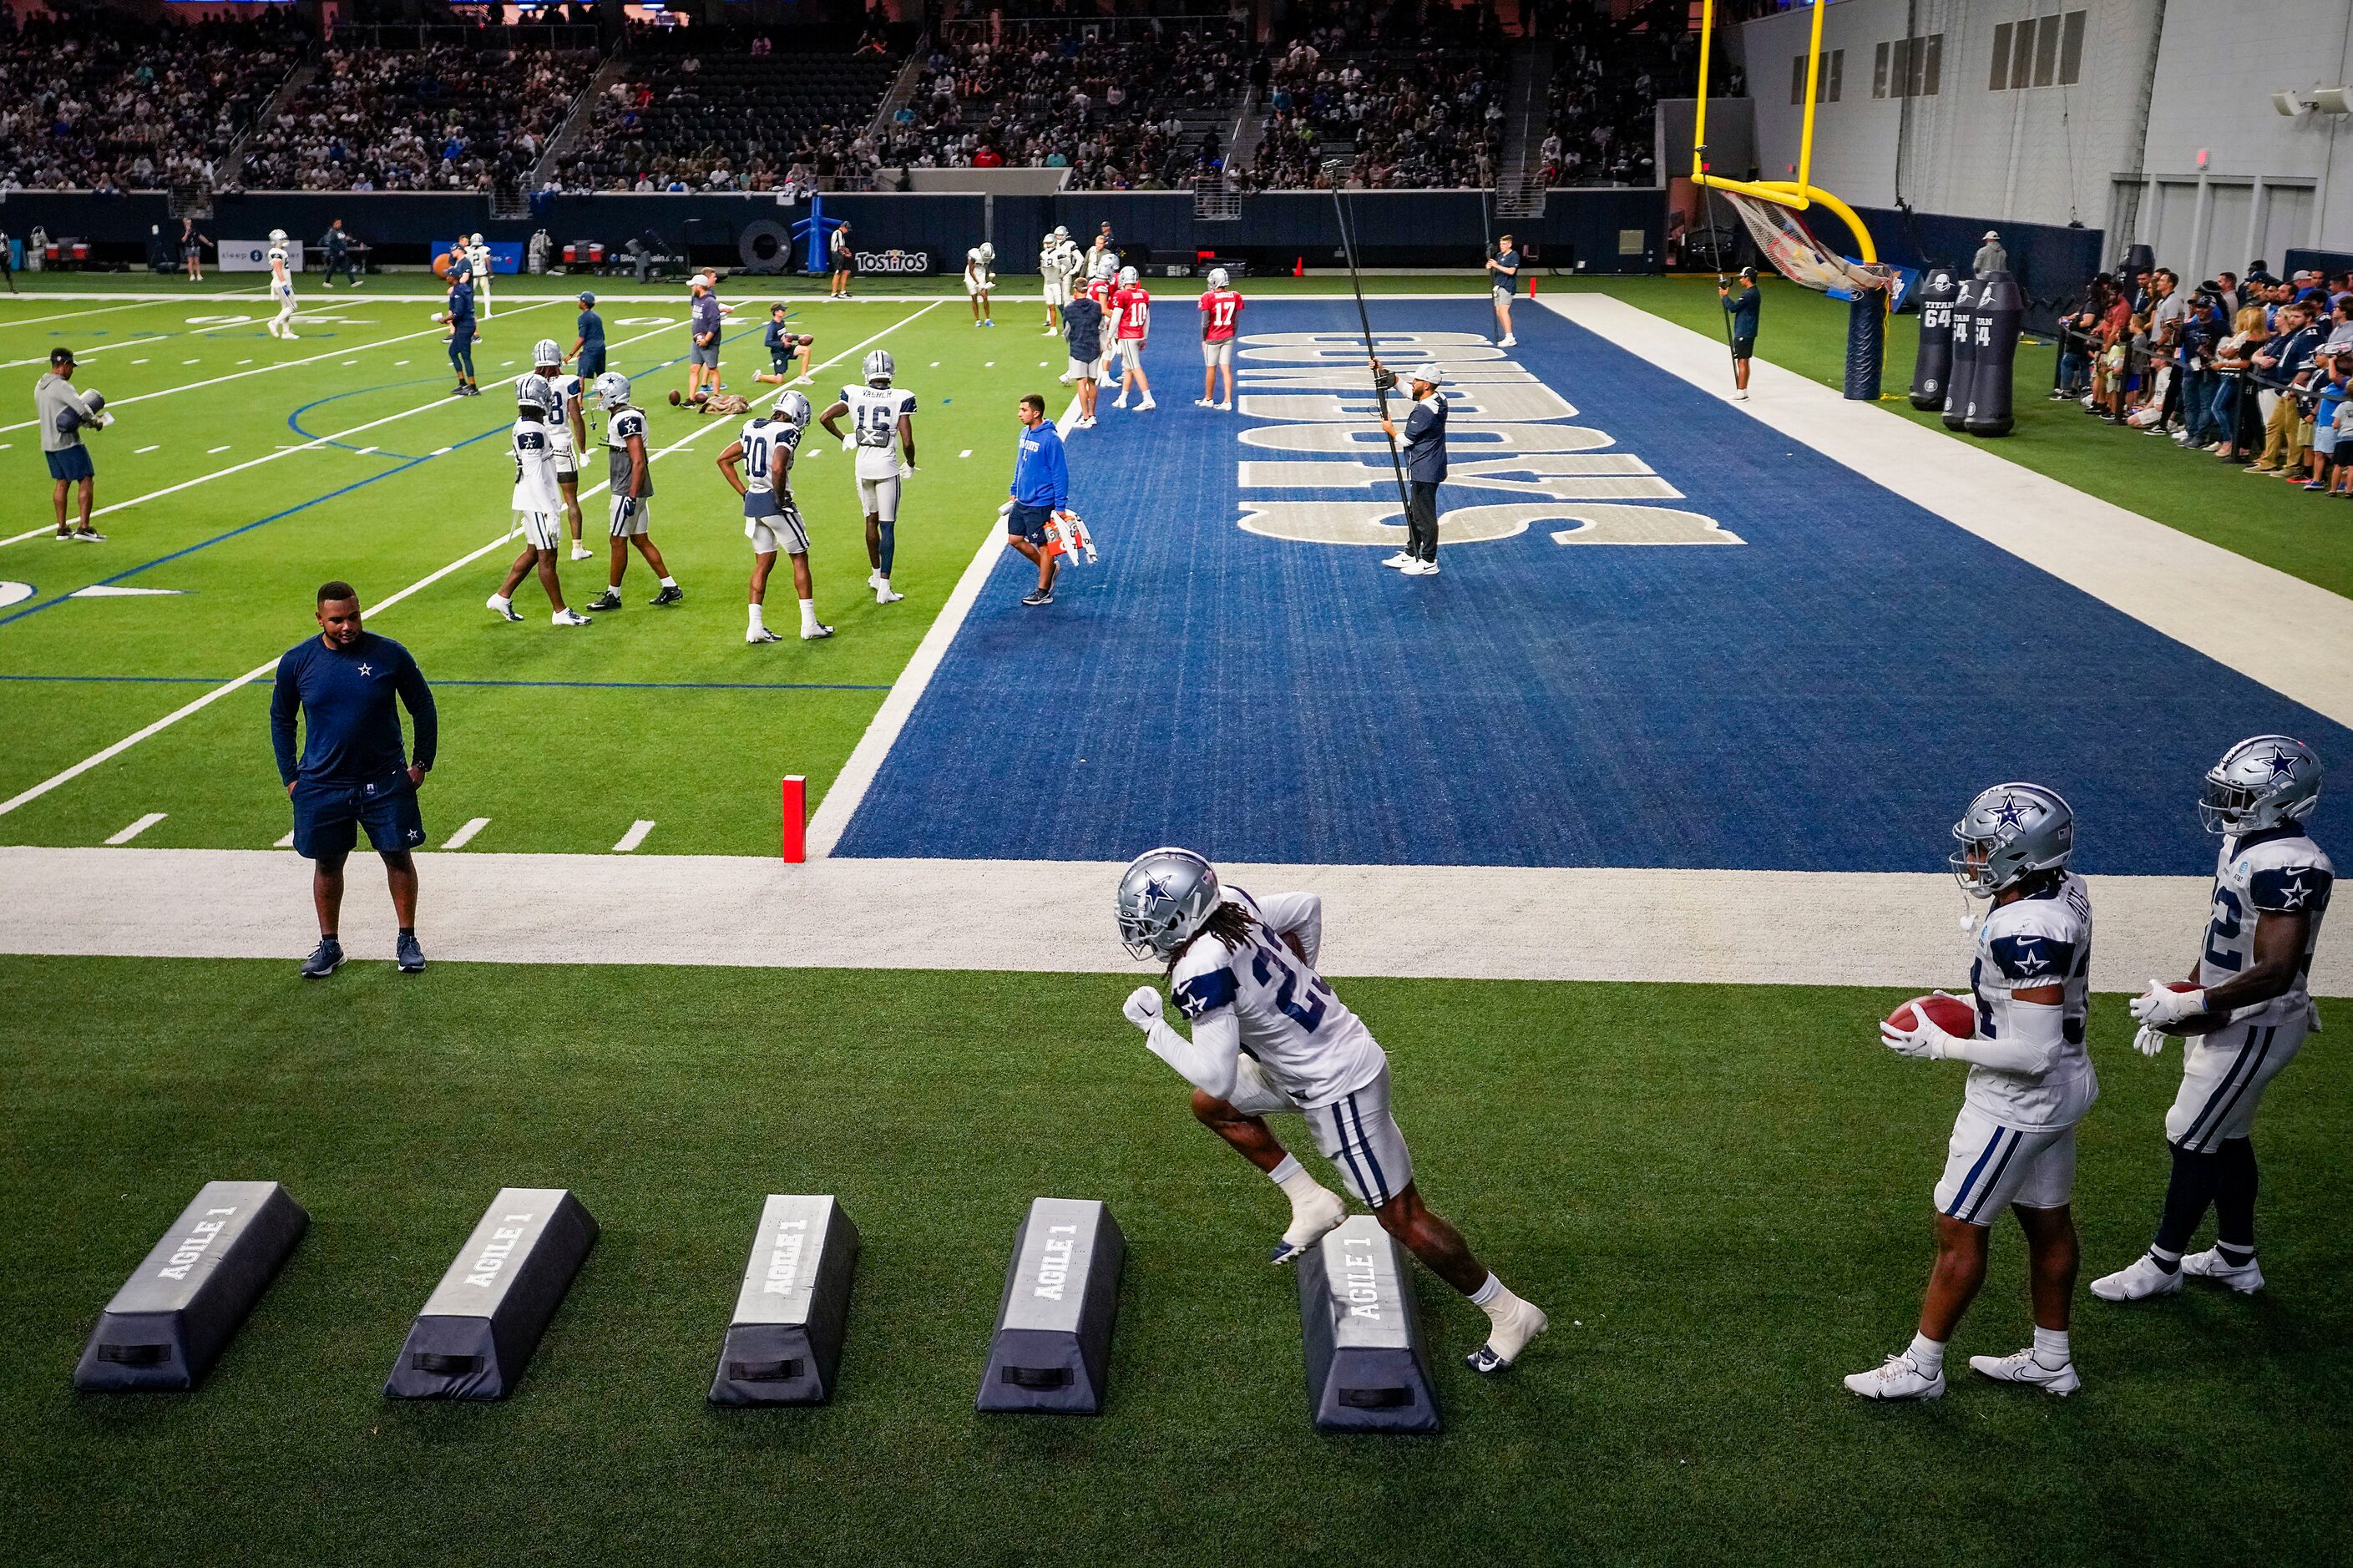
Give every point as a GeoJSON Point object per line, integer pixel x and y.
{"type": "Point", "coordinates": [257, 370]}
{"type": "Point", "coordinates": [635, 835]}
{"type": "Point", "coordinates": [2200, 595]}
{"type": "Point", "coordinates": [138, 827]}
{"type": "Point", "coordinates": [465, 836]}
{"type": "Point", "coordinates": [832, 815]}
{"type": "Point", "coordinates": [133, 303]}
{"type": "Point", "coordinates": [316, 444]}
{"type": "Point", "coordinates": [80, 354]}
{"type": "Point", "coordinates": [1503, 922]}
{"type": "Point", "coordinates": [218, 692]}
{"type": "Point", "coordinates": [285, 843]}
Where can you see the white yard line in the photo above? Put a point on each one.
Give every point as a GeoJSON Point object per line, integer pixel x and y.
{"type": "Point", "coordinates": [138, 827]}
{"type": "Point", "coordinates": [832, 815]}
{"type": "Point", "coordinates": [1052, 917]}
{"type": "Point", "coordinates": [2200, 595]}
{"type": "Point", "coordinates": [635, 835]}
{"type": "Point", "coordinates": [375, 611]}
{"type": "Point", "coordinates": [81, 354]}
{"type": "Point", "coordinates": [257, 370]}
{"type": "Point", "coordinates": [133, 304]}
{"type": "Point", "coordinates": [465, 836]}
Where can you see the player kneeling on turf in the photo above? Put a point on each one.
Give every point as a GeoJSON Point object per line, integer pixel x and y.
{"type": "Point", "coordinates": [771, 522]}
{"type": "Point", "coordinates": [1271, 1037]}
{"type": "Point", "coordinates": [537, 503]}
{"type": "Point", "coordinates": [2029, 1082]}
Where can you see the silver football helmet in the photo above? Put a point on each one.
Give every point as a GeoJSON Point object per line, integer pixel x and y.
{"type": "Point", "coordinates": [1164, 895]}
{"type": "Point", "coordinates": [1218, 278]}
{"type": "Point", "coordinates": [613, 389]}
{"type": "Point", "coordinates": [278, 236]}
{"type": "Point", "coordinates": [1127, 275]}
{"type": "Point", "coordinates": [988, 251]}
{"type": "Point", "coordinates": [2011, 831]}
{"type": "Point", "coordinates": [1061, 233]}
{"type": "Point", "coordinates": [547, 351]}
{"type": "Point", "coordinates": [1106, 264]}
{"type": "Point", "coordinates": [533, 392]}
{"type": "Point", "coordinates": [791, 407]}
{"type": "Point", "coordinates": [2260, 783]}
{"type": "Point", "coordinates": [880, 366]}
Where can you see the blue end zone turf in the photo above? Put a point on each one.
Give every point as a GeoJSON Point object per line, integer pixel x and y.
{"type": "Point", "coordinates": [1825, 697]}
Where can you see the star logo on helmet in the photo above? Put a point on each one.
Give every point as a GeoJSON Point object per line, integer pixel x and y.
{"type": "Point", "coordinates": [1154, 887]}
{"type": "Point", "coordinates": [2292, 893]}
{"type": "Point", "coordinates": [2010, 814]}
{"type": "Point", "coordinates": [2282, 763]}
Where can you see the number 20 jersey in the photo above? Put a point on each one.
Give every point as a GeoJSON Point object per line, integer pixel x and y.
{"type": "Point", "coordinates": [2280, 870]}
{"type": "Point", "coordinates": [1302, 1034]}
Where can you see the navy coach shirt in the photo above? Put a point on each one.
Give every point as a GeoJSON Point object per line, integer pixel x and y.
{"type": "Point", "coordinates": [1425, 440]}
{"type": "Point", "coordinates": [347, 698]}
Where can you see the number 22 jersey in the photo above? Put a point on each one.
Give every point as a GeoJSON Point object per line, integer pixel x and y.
{"type": "Point", "coordinates": [1301, 1033]}
{"type": "Point", "coordinates": [2280, 870]}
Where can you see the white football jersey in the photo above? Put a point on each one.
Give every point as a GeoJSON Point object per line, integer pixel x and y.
{"type": "Point", "coordinates": [535, 461]}
{"type": "Point", "coordinates": [2044, 939]}
{"type": "Point", "coordinates": [2280, 870]}
{"type": "Point", "coordinates": [1302, 1034]}
{"type": "Point", "coordinates": [874, 414]}
{"type": "Point", "coordinates": [568, 392]}
{"type": "Point", "coordinates": [763, 437]}
{"type": "Point", "coordinates": [280, 278]}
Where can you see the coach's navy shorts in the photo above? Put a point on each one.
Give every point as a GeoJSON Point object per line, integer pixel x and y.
{"type": "Point", "coordinates": [1743, 348]}
{"type": "Point", "coordinates": [592, 360]}
{"type": "Point", "coordinates": [328, 817]}
{"type": "Point", "coordinates": [1029, 522]}
{"type": "Point", "coordinates": [73, 463]}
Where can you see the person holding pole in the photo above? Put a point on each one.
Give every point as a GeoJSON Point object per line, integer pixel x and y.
{"type": "Point", "coordinates": [1742, 308]}
{"type": "Point", "coordinates": [1425, 470]}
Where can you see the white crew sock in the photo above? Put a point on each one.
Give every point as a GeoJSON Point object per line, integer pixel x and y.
{"type": "Point", "coordinates": [1297, 1184]}
{"type": "Point", "coordinates": [1928, 1354]}
{"type": "Point", "coordinates": [808, 614]}
{"type": "Point", "coordinates": [1488, 1291]}
{"type": "Point", "coordinates": [2051, 1347]}
{"type": "Point", "coordinates": [669, 582]}
{"type": "Point", "coordinates": [756, 624]}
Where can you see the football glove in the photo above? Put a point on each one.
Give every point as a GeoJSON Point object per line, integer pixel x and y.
{"type": "Point", "coordinates": [849, 441]}
{"type": "Point", "coordinates": [906, 469]}
{"type": "Point", "coordinates": [2149, 1042]}
{"type": "Point", "coordinates": [2159, 1008]}
{"type": "Point", "coordinates": [1924, 1041]}
{"type": "Point", "coordinates": [1143, 1007]}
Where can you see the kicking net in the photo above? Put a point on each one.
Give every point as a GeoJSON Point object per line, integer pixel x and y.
{"type": "Point", "coordinates": [1785, 241]}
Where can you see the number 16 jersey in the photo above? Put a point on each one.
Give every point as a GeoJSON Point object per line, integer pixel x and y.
{"type": "Point", "coordinates": [1299, 1033]}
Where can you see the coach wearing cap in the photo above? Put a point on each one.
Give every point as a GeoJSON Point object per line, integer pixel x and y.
{"type": "Point", "coordinates": [64, 413]}
{"type": "Point", "coordinates": [1991, 256]}
{"type": "Point", "coordinates": [1743, 308]}
{"type": "Point", "coordinates": [1425, 470]}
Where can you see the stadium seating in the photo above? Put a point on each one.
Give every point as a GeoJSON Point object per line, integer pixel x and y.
{"type": "Point", "coordinates": [103, 102]}
{"type": "Point", "coordinates": [450, 117]}
{"type": "Point", "coordinates": [734, 121]}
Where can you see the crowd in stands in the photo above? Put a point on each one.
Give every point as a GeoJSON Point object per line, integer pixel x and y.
{"type": "Point", "coordinates": [1409, 112]}
{"type": "Point", "coordinates": [451, 117]}
{"type": "Point", "coordinates": [731, 112]}
{"type": "Point", "coordinates": [1606, 76]}
{"type": "Point", "coordinates": [2255, 370]}
{"type": "Point", "coordinates": [98, 101]}
{"type": "Point", "coordinates": [1112, 110]}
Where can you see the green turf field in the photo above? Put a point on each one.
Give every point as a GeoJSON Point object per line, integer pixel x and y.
{"type": "Point", "coordinates": [1719, 1192]}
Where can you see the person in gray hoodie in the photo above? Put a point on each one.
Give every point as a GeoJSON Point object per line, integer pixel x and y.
{"type": "Point", "coordinates": [65, 412]}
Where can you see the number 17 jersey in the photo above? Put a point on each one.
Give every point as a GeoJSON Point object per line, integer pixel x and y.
{"type": "Point", "coordinates": [1297, 1029]}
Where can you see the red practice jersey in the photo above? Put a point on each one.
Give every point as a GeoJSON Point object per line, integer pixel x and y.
{"type": "Point", "coordinates": [1219, 308]}
{"type": "Point", "coordinates": [1134, 310]}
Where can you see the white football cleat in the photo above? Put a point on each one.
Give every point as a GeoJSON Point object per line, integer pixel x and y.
{"type": "Point", "coordinates": [2246, 1278]}
{"type": "Point", "coordinates": [1400, 559]}
{"type": "Point", "coordinates": [287, 334]}
{"type": "Point", "coordinates": [1228, 406]}
{"type": "Point", "coordinates": [568, 619]}
{"type": "Point", "coordinates": [1508, 1339]}
{"type": "Point", "coordinates": [884, 596]}
{"type": "Point", "coordinates": [1507, 342]}
{"type": "Point", "coordinates": [1310, 1221]}
{"type": "Point", "coordinates": [1119, 402]}
{"type": "Point", "coordinates": [500, 607]}
{"type": "Point", "coordinates": [1421, 569]}
{"type": "Point", "coordinates": [874, 578]}
{"type": "Point", "coordinates": [816, 634]}
{"type": "Point", "coordinates": [1147, 403]}
{"type": "Point", "coordinates": [2136, 1282]}
{"type": "Point", "coordinates": [761, 633]}
{"type": "Point", "coordinates": [1203, 402]}
{"type": "Point", "coordinates": [1087, 422]}
{"type": "Point", "coordinates": [2058, 1380]}
{"type": "Point", "coordinates": [1897, 1377]}
{"type": "Point", "coordinates": [582, 553]}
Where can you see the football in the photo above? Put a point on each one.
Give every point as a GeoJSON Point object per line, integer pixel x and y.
{"type": "Point", "coordinates": [673, 397]}
{"type": "Point", "coordinates": [1950, 1014]}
